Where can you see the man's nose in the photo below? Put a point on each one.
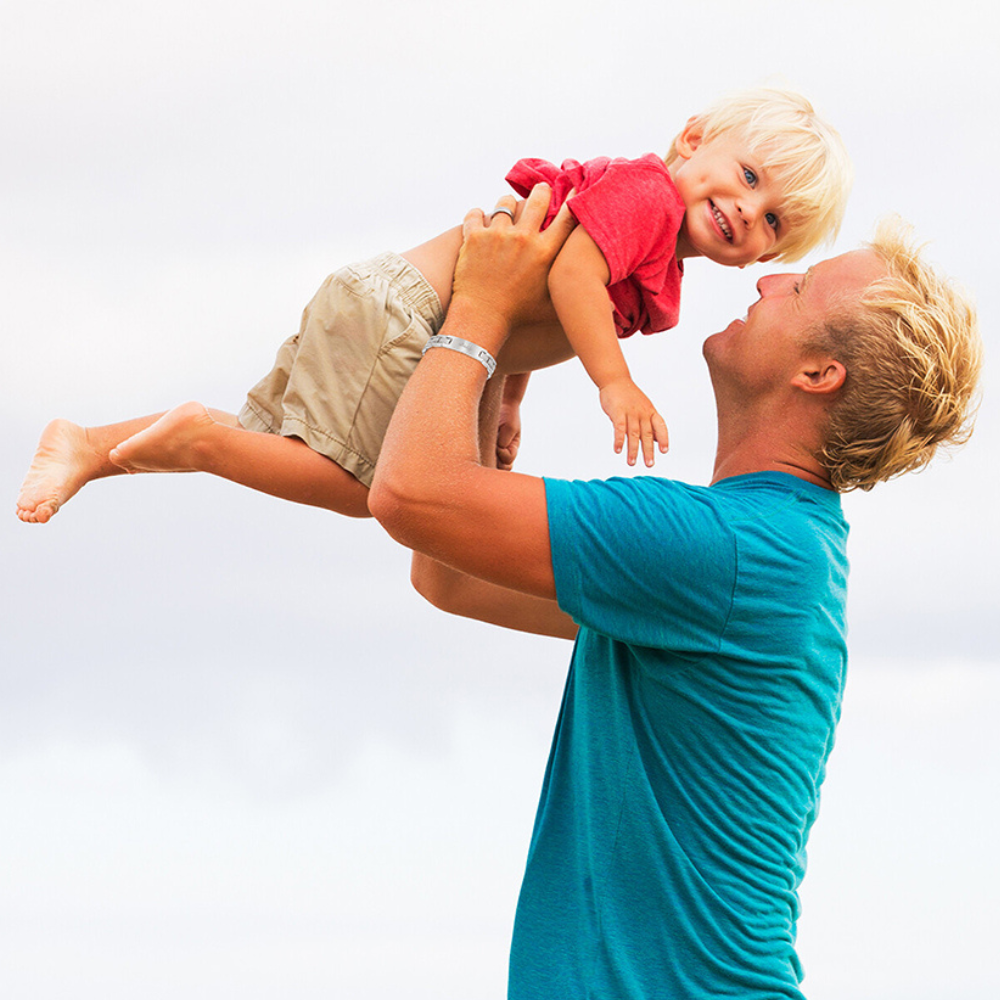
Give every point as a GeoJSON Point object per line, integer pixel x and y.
{"type": "Point", "coordinates": [765, 283]}
{"type": "Point", "coordinates": [773, 283]}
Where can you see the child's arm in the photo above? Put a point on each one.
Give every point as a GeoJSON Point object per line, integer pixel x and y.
{"type": "Point", "coordinates": [509, 431]}
{"type": "Point", "coordinates": [578, 286]}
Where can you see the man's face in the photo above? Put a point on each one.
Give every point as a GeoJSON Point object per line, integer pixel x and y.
{"type": "Point", "coordinates": [766, 347]}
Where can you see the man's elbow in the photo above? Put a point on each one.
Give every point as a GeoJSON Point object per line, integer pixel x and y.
{"type": "Point", "coordinates": [426, 578]}
{"type": "Point", "coordinates": [406, 508]}
{"type": "Point", "coordinates": [390, 504]}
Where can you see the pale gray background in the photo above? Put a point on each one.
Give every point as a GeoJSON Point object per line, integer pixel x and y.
{"type": "Point", "coordinates": [238, 757]}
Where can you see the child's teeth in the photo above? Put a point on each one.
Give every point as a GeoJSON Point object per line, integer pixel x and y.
{"type": "Point", "coordinates": [722, 222]}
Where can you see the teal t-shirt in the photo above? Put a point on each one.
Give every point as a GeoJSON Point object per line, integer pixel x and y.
{"type": "Point", "coordinates": [698, 716]}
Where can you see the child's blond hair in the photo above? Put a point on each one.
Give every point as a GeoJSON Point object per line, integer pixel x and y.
{"type": "Point", "coordinates": [799, 149]}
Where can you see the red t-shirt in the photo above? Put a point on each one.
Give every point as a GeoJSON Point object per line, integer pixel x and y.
{"type": "Point", "coordinates": [632, 211]}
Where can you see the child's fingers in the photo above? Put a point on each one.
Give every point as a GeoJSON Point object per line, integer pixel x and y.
{"type": "Point", "coordinates": [508, 443]}
{"type": "Point", "coordinates": [648, 443]}
{"type": "Point", "coordinates": [621, 426]}
{"type": "Point", "coordinates": [507, 455]}
{"type": "Point", "coordinates": [660, 432]}
{"type": "Point", "coordinates": [654, 430]}
{"type": "Point", "coordinates": [634, 438]}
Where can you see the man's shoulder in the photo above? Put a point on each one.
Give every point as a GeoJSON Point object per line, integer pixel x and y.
{"type": "Point", "coordinates": [748, 488]}
{"type": "Point", "coordinates": [628, 488]}
{"type": "Point", "coordinates": [658, 512]}
{"type": "Point", "coordinates": [766, 494]}
{"type": "Point", "coordinates": [729, 506]}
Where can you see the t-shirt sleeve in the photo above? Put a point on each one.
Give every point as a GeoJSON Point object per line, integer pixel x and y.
{"type": "Point", "coordinates": [526, 173]}
{"type": "Point", "coordinates": [626, 212]}
{"type": "Point", "coordinates": [645, 561]}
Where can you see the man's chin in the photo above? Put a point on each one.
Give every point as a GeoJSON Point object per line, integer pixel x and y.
{"type": "Point", "coordinates": [712, 343]}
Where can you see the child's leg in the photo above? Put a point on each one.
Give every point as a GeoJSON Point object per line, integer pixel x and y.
{"type": "Point", "coordinates": [190, 438]}
{"type": "Point", "coordinates": [67, 458]}
{"type": "Point", "coordinates": [187, 438]}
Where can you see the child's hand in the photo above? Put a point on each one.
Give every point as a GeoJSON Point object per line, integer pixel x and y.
{"type": "Point", "coordinates": [508, 434]}
{"type": "Point", "coordinates": [634, 417]}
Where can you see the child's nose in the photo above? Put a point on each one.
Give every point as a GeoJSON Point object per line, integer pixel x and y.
{"type": "Point", "coordinates": [749, 212]}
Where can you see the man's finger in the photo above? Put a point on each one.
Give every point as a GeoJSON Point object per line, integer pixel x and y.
{"type": "Point", "coordinates": [535, 207]}
{"type": "Point", "coordinates": [472, 222]}
{"type": "Point", "coordinates": [504, 212]}
{"type": "Point", "coordinates": [563, 224]}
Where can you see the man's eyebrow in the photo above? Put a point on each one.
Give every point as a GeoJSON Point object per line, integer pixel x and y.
{"type": "Point", "coordinates": [805, 280]}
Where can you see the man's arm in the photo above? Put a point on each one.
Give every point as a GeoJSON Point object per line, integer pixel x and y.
{"type": "Point", "coordinates": [458, 593]}
{"type": "Point", "coordinates": [431, 491]}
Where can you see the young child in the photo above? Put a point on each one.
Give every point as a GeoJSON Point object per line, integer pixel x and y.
{"type": "Point", "coordinates": [759, 176]}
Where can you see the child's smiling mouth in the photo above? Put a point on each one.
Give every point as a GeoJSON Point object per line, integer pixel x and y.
{"type": "Point", "coordinates": [722, 222]}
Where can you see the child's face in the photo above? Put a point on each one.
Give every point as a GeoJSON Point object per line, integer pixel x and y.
{"type": "Point", "coordinates": [732, 207]}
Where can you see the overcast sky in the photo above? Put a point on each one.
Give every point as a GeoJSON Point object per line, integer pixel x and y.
{"type": "Point", "coordinates": [238, 756]}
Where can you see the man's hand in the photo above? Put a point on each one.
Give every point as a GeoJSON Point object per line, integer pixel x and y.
{"type": "Point", "coordinates": [635, 418]}
{"type": "Point", "coordinates": [502, 272]}
{"type": "Point", "coordinates": [509, 428]}
{"type": "Point", "coordinates": [508, 435]}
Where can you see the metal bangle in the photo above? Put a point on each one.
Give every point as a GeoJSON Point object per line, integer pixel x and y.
{"type": "Point", "coordinates": [465, 347]}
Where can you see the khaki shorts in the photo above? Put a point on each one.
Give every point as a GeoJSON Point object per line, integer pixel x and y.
{"type": "Point", "coordinates": [337, 381]}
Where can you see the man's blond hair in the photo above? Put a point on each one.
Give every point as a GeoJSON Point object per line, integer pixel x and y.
{"type": "Point", "coordinates": [913, 356]}
{"type": "Point", "coordinates": [799, 150]}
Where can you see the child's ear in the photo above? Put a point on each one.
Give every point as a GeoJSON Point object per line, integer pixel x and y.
{"type": "Point", "coordinates": [760, 260]}
{"type": "Point", "coordinates": [691, 137]}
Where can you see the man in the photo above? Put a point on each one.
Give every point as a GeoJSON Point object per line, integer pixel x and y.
{"type": "Point", "coordinates": [709, 661]}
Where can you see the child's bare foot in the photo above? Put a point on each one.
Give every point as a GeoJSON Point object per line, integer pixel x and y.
{"type": "Point", "coordinates": [64, 461]}
{"type": "Point", "coordinates": [168, 445]}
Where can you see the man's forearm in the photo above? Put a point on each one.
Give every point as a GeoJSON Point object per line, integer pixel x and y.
{"type": "Point", "coordinates": [431, 491]}
{"type": "Point", "coordinates": [457, 592]}
{"type": "Point", "coordinates": [434, 437]}
{"type": "Point", "coordinates": [460, 594]}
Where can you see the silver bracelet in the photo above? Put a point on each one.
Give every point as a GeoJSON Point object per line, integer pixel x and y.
{"type": "Point", "coordinates": [463, 347]}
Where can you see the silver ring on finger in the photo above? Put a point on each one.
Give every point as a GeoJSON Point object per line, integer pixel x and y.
{"type": "Point", "coordinates": [501, 209]}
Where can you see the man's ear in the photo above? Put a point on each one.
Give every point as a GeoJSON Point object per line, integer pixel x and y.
{"type": "Point", "coordinates": [691, 137]}
{"type": "Point", "coordinates": [822, 377]}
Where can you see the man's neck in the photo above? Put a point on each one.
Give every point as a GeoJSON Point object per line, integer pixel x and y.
{"type": "Point", "coordinates": [778, 445]}
{"type": "Point", "coordinates": [726, 469]}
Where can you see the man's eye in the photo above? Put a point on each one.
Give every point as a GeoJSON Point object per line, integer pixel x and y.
{"type": "Point", "coordinates": [772, 220]}
{"type": "Point", "coordinates": [750, 176]}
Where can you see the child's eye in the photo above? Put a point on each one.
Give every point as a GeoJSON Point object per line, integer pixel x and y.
{"type": "Point", "coordinates": [750, 177]}
{"type": "Point", "coordinates": [772, 220]}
